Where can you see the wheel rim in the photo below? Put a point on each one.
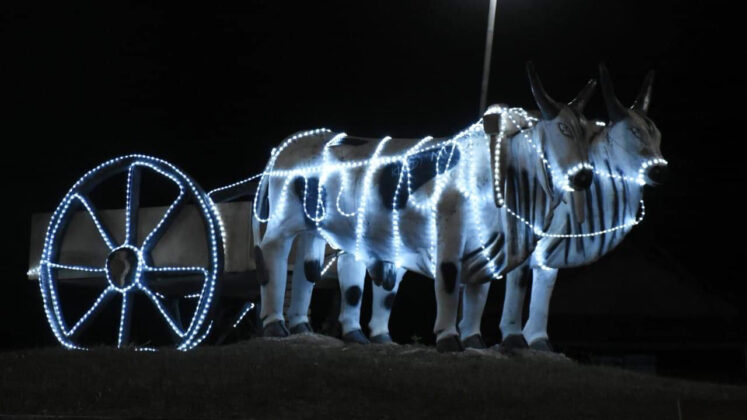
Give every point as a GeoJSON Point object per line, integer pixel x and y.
{"type": "Point", "coordinates": [128, 267]}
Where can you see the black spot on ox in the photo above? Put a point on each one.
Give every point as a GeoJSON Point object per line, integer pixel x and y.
{"type": "Point", "coordinates": [353, 295]}
{"type": "Point", "coordinates": [264, 204]}
{"type": "Point", "coordinates": [310, 188]}
{"type": "Point", "coordinates": [383, 274]}
{"type": "Point", "coordinates": [312, 270]}
{"type": "Point", "coordinates": [422, 167]}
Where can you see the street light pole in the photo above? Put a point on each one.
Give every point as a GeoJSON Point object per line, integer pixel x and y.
{"type": "Point", "coordinates": [488, 52]}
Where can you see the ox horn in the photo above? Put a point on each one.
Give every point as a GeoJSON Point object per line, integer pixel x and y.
{"type": "Point", "coordinates": [579, 102]}
{"type": "Point", "coordinates": [615, 109]}
{"type": "Point", "coordinates": [644, 96]}
{"type": "Point", "coordinates": [547, 105]}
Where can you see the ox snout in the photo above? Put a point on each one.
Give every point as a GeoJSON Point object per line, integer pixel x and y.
{"type": "Point", "coordinates": [581, 180]}
{"type": "Point", "coordinates": [657, 175]}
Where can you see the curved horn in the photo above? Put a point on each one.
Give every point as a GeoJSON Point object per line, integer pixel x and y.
{"type": "Point", "coordinates": [644, 96]}
{"type": "Point", "coordinates": [547, 105]}
{"type": "Point", "coordinates": [615, 109]}
{"type": "Point", "coordinates": [579, 102]}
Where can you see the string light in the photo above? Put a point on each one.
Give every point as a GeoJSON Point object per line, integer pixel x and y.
{"type": "Point", "coordinates": [196, 332]}
{"type": "Point", "coordinates": [328, 265]}
{"type": "Point", "coordinates": [248, 307]}
{"type": "Point", "coordinates": [359, 226]}
{"type": "Point", "coordinates": [445, 149]}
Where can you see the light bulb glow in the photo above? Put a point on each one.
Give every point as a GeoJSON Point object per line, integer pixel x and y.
{"type": "Point", "coordinates": [196, 331]}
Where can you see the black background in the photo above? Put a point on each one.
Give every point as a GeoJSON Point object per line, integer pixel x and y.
{"type": "Point", "coordinates": [212, 89]}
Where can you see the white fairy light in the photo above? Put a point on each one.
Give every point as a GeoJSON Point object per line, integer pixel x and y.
{"type": "Point", "coordinates": [195, 333]}
{"type": "Point", "coordinates": [359, 226]}
{"type": "Point", "coordinates": [445, 151]}
{"type": "Point", "coordinates": [328, 265]}
{"type": "Point", "coordinates": [248, 307]}
{"type": "Point", "coordinates": [647, 164]}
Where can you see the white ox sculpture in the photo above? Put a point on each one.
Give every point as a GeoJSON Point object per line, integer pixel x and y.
{"type": "Point", "coordinates": [443, 208]}
{"type": "Point", "coordinates": [626, 154]}
{"type": "Point", "coordinates": [587, 225]}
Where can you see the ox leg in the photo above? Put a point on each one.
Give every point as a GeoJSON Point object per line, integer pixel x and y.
{"type": "Point", "coordinates": [517, 281]}
{"type": "Point", "coordinates": [381, 309]}
{"type": "Point", "coordinates": [272, 266]}
{"type": "Point", "coordinates": [306, 271]}
{"type": "Point", "coordinates": [535, 330]}
{"type": "Point", "coordinates": [351, 275]}
{"type": "Point", "coordinates": [473, 304]}
{"type": "Point", "coordinates": [450, 235]}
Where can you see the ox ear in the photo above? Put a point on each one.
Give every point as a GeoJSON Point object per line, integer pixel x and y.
{"type": "Point", "coordinates": [644, 96]}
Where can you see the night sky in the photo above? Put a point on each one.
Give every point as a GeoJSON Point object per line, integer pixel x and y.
{"type": "Point", "coordinates": [212, 90]}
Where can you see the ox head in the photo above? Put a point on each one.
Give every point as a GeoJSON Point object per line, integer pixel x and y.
{"type": "Point", "coordinates": [562, 134]}
{"type": "Point", "coordinates": [633, 138]}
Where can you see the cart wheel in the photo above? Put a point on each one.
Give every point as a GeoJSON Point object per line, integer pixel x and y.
{"type": "Point", "coordinates": [128, 267]}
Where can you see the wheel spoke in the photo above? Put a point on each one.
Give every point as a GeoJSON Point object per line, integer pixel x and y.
{"type": "Point", "coordinates": [75, 267]}
{"type": "Point", "coordinates": [105, 235]}
{"type": "Point", "coordinates": [132, 205]}
{"type": "Point", "coordinates": [91, 313]}
{"type": "Point", "coordinates": [164, 313]}
{"type": "Point", "coordinates": [164, 223]}
{"type": "Point", "coordinates": [124, 320]}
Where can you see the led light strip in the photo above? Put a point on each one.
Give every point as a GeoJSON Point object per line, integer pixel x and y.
{"type": "Point", "coordinates": [328, 265]}
{"type": "Point", "coordinates": [539, 232]}
{"type": "Point", "coordinates": [235, 184]}
{"type": "Point", "coordinates": [48, 290]}
{"type": "Point", "coordinates": [249, 306]}
{"type": "Point", "coordinates": [359, 228]}
{"type": "Point", "coordinates": [271, 164]}
{"type": "Point", "coordinates": [478, 229]}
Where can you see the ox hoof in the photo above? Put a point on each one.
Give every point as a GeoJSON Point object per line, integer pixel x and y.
{"type": "Point", "coordinates": [473, 342]}
{"type": "Point", "coordinates": [275, 329]}
{"type": "Point", "coordinates": [355, 337]}
{"type": "Point", "coordinates": [301, 328]}
{"type": "Point", "coordinates": [449, 344]}
{"type": "Point", "coordinates": [382, 339]}
{"type": "Point", "coordinates": [542, 344]}
{"type": "Point", "coordinates": [513, 343]}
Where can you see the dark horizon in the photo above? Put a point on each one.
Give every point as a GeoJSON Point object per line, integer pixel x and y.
{"type": "Point", "coordinates": [212, 91]}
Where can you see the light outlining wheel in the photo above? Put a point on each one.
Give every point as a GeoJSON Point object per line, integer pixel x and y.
{"type": "Point", "coordinates": [128, 266]}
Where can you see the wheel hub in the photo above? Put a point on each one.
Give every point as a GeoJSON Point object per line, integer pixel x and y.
{"type": "Point", "coordinates": [121, 267]}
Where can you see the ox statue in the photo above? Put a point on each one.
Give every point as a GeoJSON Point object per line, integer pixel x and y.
{"type": "Point", "coordinates": [626, 154]}
{"type": "Point", "coordinates": [445, 208]}
{"type": "Point", "coordinates": [584, 227]}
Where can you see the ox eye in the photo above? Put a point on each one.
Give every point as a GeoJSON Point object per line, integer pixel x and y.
{"type": "Point", "coordinates": [565, 129]}
{"type": "Point", "coordinates": [636, 132]}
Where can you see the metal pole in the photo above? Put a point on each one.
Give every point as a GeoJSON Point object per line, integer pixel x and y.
{"type": "Point", "coordinates": [488, 52]}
